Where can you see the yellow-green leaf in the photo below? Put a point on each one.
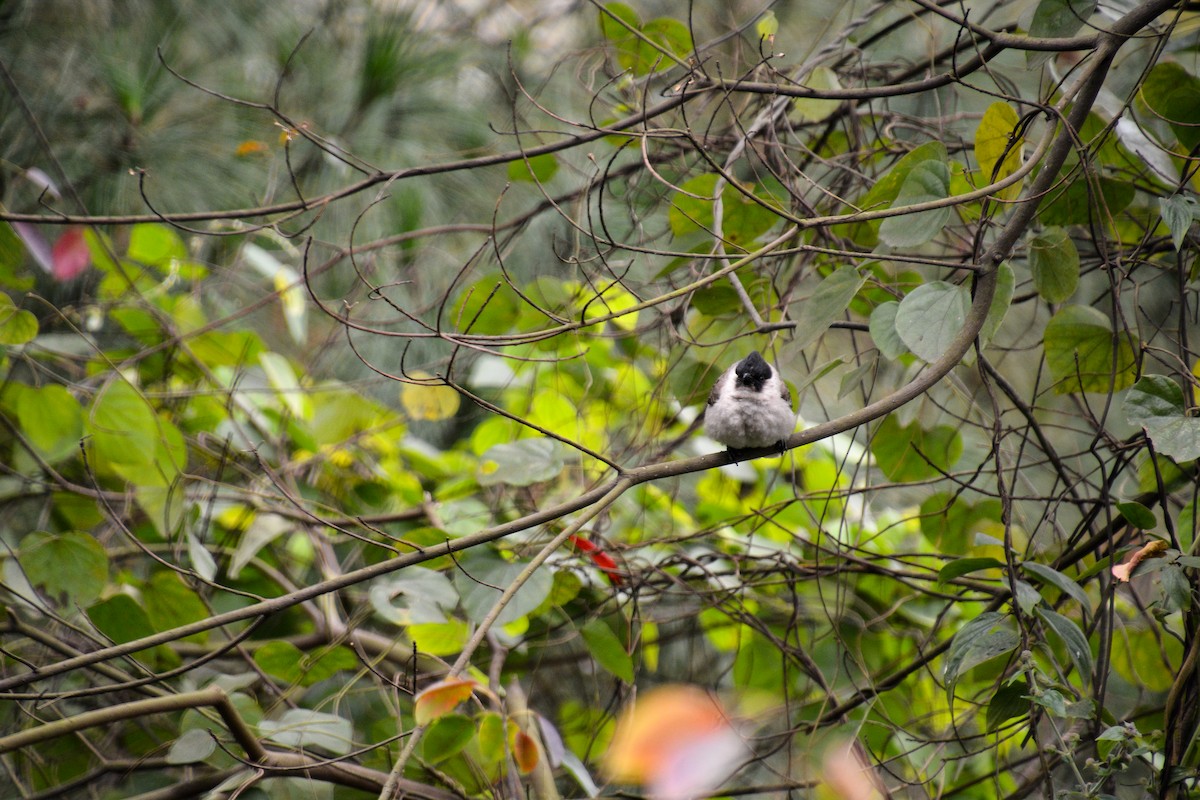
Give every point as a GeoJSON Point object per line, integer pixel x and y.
{"type": "Point", "coordinates": [817, 109]}
{"type": "Point", "coordinates": [428, 402]}
{"type": "Point", "coordinates": [998, 149]}
{"type": "Point", "coordinates": [767, 27]}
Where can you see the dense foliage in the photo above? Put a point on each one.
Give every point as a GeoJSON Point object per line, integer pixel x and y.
{"type": "Point", "coordinates": [354, 355]}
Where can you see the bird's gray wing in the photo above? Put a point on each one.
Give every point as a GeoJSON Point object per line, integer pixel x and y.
{"type": "Point", "coordinates": [716, 387]}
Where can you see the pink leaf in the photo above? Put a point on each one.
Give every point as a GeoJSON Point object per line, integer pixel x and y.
{"type": "Point", "coordinates": [36, 244]}
{"type": "Point", "coordinates": [70, 255]}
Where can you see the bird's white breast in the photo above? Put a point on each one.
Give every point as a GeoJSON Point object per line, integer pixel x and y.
{"type": "Point", "coordinates": [741, 417]}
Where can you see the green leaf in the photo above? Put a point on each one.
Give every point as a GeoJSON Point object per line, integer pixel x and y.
{"type": "Point", "coordinates": [120, 618]}
{"type": "Point", "coordinates": [489, 306]}
{"type": "Point", "coordinates": [767, 26]}
{"type": "Point", "coordinates": [192, 747]}
{"type": "Point", "coordinates": [285, 661]}
{"type": "Point", "coordinates": [1176, 589]}
{"type": "Point", "coordinates": [1077, 204]}
{"type": "Point", "coordinates": [1172, 94]}
{"type": "Point", "coordinates": [1081, 348]}
{"type": "Point", "coordinates": [484, 575]}
{"type": "Point", "coordinates": [746, 210]}
{"type": "Point", "coordinates": [1138, 515]}
{"type": "Point", "coordinates": [12, 254]}
{"type": "Point", "coordinates": [493, 738]}
{"type": "Point", "coordinates": [827, 303]}
{"type": "Point", "coordinates": [17, 326]}
{"type": "Point", "coordinates": [927, 181]}
{"type": "Point", "coordinates": [1010, 700]}
{"type": "Point", "coordinates": [1001, 301]}
{"type": "Point", "coordinates": [1060, 582]}
{"type": "Point", "coordinates": [910, 453]}
{"type": "Point", "coordinates": [948, 522]}
{"type": "Point", "coordinates": [634, 52]}
{"type": "Point", "coordinates": [51, 419]}
{"type": "Point", "coordinates": [887, 187]}
{"type": "Point", "coordinates": [965, 566]}
{"type": "Point", "coordinates": [976, 643]}
{"type": "Point", "coordinates": [607, 649]}
{"type": "Point", "coordinates": [817, 109]}
{"type": "Point", "coordinates": [440, 638]}
{"type": "Point", "coordinates": [994, 145]}
{"type": "Point", "coordinates": [1178, 212]}
{"type": "Point", "coordinates": [71, 564]}
{"type": "Point", "coordinates": [127, 437]}
{"type": "Point", "coordinates": [302, 728]}
{"type": "Point", "coordinates": [691, 206]}
{"type": "Point", "coordinates": [931, 316]}
{"type": "Point", "coordinates": [155, 245]}
{"type": "Point", "coordinates": [427, 594]}
{"type": "Point", "coordinates": [170, 604]}
{"type": "Point", "coordinates": [1056, 19]}
{"type": "Point", "coordinates": [537, 169]}
{"type": "Point", "coordinates": [717, 299]}
{"type": "Point", "coordinates": [283, 380]}
{"type": "Point", "coordinates": [446, 737]}
{"type": "Point", "coordinates": [1073, 638]}
{"type": "Point", "coordinates": [521, 463]}
{"type": "Point", "coordinates": [882, 326]}
{"type": "Point", "coordinates": [1156, 404]}
{"type": "Point", "coordinates": [1054, 262]}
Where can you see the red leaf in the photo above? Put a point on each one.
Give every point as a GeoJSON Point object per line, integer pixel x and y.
{"type": "Point", "coordinates": [70, 256]}
{"type": "Point", "coordinates": [440, 698]}
{"type": "Point", "coordinates": [603, 561]}
{"type": "Point", "coordinates": [525, 752]}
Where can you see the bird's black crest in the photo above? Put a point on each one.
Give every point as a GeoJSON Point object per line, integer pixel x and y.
{"type": "Point", "coordinates": [752, 372]}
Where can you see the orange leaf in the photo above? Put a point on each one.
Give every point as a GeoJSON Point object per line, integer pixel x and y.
{"type": "Point", "coordinates": [250, 147]}
{"type": "Point", "coordinates": [525, 752]}
{"type": "Point", "coordinates": [439, 699]}
{"type": "Point", "coordinates": [1124, 571]}
{"type": "Point", "coordinates": [653, 731]}
{"type": "Point", "coordinates": [849, 774]}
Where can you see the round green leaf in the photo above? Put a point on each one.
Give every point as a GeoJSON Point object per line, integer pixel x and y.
{"type": "Point", "coordinates": [1156, 404]}
{"type": "Point", "coordinates": [484, 575]}
{"type": "Point", "coordinates": [1054, 262]}
{"type": "Point", "coordinates": [929, 180]}
{"type": "Point", "coordinates": [534, 169]}
{"type": "Point", "coordinates": [155, 245]}
{"type": "Point", "coordinates": [169, 604]}
{"type": "Point", "coordinates": [521, 463]}
{"type": "Point", "coordinates": [192, 747]}
{"type": "Point", "coordinates": [910, 453]}
{"type": "Point", "coordinates": [931, 316]}
{"type": "Point", "coordinates": [447, 736]}
{"type": "Point", "coordinates": [883, 330]}
{"type": "Point", "coordinates": [994, 145]}
{"type": "Point", "coordinates": [1173, 94]}
{"type": "Point", "coordinates": [17, 326]}
{"type": "Point", "coordinates": [1081, 348]}
{"type": "Point", "coordinates": [120, 618]}
{"type": "Point", "coordinates": [51, 419]}
{"type": "Point", "coordinates": [71, 564]}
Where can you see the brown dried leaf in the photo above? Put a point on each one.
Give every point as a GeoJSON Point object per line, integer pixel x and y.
{"type": "Point", "coordinates": [1124, 570]}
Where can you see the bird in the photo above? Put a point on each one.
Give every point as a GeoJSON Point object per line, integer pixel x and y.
{"type": "Point", "coordinates": [750, 406]}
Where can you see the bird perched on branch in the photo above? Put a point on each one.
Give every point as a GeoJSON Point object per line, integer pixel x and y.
{"type": "Point", "coordinates": [750, 406]}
